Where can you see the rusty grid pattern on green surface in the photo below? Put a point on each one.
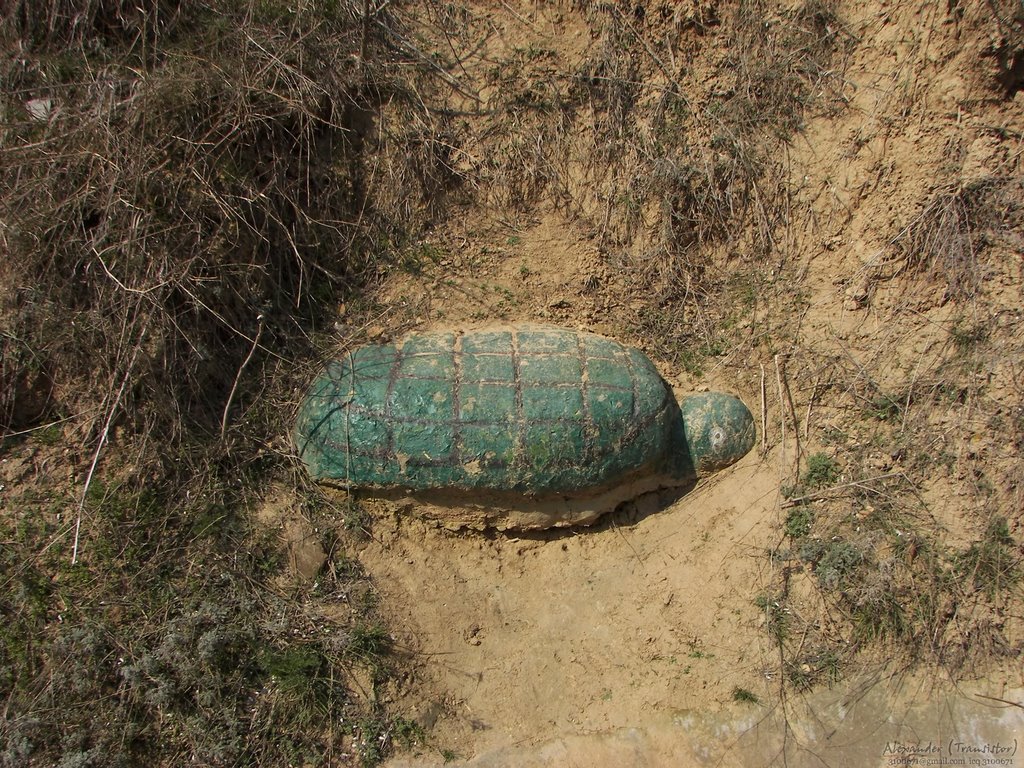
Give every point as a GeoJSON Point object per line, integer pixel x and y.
{"type": "Point", "coordinates": [521, 400]}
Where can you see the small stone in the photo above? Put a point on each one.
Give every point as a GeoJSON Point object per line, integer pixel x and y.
{"type": "Point", "coordinates": [472, 635]}
{"type": "Point", "coordinates": [40, 109]}
{"type": "Point", "coordinates": [856, 296]}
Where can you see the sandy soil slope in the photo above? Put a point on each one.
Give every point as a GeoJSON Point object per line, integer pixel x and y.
{"type": "Point", "coordinates": [650, 616]}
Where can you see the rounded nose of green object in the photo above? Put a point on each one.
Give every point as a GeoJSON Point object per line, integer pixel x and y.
{"type": "Point", "coordinates": [719, 430]}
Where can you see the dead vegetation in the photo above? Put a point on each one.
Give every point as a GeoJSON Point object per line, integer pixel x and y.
{"type": "Point", "coordinates": [173, 209]}
{"type": "Point", "coordinates": [680, 173]}
{"type": "Point", "coordinates": [944, 244]}
{"type": "Point", "coordinates": [190, 191]}
{"type": "Point", "coordinates": [703, 190]}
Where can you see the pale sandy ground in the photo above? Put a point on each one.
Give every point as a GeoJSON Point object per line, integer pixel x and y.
{"type": "Point", "coordinates": [872, 722]}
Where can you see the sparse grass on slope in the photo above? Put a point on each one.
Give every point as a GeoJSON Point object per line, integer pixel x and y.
{"type": "Point", "coordinates": [189, 191]}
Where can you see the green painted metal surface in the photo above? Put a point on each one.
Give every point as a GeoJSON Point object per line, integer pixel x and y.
{"type": "Point", "coordinates": [534, 409]}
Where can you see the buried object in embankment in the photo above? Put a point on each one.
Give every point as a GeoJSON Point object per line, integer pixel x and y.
{"type": "Point", "coordinates": [515, 427]}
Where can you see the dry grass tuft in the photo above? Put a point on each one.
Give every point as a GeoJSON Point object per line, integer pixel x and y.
{"type": "Point", "coordinates": [946, 241]}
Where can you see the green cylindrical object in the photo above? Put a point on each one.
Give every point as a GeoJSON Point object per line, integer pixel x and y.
{"type": "Point", "coordinates": [532, 410]}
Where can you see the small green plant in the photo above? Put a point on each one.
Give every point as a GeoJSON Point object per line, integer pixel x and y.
{"type": "Point", "coordinates": [822, 471]}
{"type": "Point", "coordinates": [885, 408]}
{"type": "Point", "coordinates": [416, 258]}
{"type": "Point", "coordinates": [798, 521]}
{"type": "Point", "coordinates": [692, 362]}
{"type": "Point", "coordinates": [743, 696]}
{"type": "Point", "coordinates": [210, 521]}
{"type": "Point", "coordinates": [812, 668]}
{"type": "Point", "coordinates": [879, 613]}
{"type": "Point", "coordinates": [295, 668]}
{"type": "Point", "coordinates": [355, 517]}
{"type": "Point", "coordinates": [50, 436]}
{"type": "Point", "coordinates": [265, 555]}
{"type": "Point", "coordinates": [838, 562]}
{"type": "Point", "coordinates": [368, 642]}
{"type": "Point", "coordinates": [408, 733]}
{"type": "Point", "coordinates": [831, 435]}
{"type": "Point", "coordinates": [800, 676]}
{"type": "Point", "coordinates": [966, 338]}
{"type": "Point", "coordinates": [371, 738]}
